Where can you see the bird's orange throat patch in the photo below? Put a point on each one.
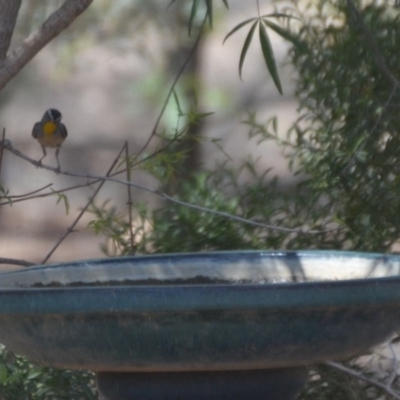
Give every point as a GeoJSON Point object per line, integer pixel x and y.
{"type": "Point", "coordinates": [49, 128]}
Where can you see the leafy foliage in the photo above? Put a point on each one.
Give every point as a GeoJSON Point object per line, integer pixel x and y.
{"type": "Point", "coordinates": [262, 22]}
{"type": "Point", "coordinates": [346, 138]}
{"type": "Point", "coordinates": [20, 379]}
{"type": "Point", "coordinates": [329, 384]}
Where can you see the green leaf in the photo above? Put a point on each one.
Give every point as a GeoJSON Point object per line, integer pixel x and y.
{"type": "Point", "coordinates": [204, 114]}
{"type": "Point", "coordinates": [62, 198]}
{"type": "Point", "coordinates": [226, 3]}
{"type": "Point", "coordinates": [210, 11]}
{"type": "Point", "coordinates": [279, 15]}
{"type": "Point", "coordinates": [178, 106]}
{"type": "Point", "coordinates": [3, 374]}
{"type": "Point", "coordinates": [193, 14]}
{"type": "Point", "coordinates": [269, 56]}
{"type": "Point", "coordinates": [246, 46]}
{"type": "Point", "coordinates": [284, 33]}
{"type": "Point", "coordinates": [275, 124]}
{"type": "Point", "coordinates": [237, 27]}
{"type": "Point", "coordinates": [34, 373]}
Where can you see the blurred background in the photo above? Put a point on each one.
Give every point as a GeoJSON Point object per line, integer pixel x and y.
{"type": "Point", "coordinates": [108, 74]}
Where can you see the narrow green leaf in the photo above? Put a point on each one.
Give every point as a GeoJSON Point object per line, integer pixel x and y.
{"type": "Point", "coordinates": [226, 3]}
{"type": "Point", "coordinates": [269, 56]}
{"type": "Point", "coordinates": [209, 5]}
{"type": "Point", "coordinates": [193, 14]}
{"type": "Point", "coordinates": [246, 46]}
{"type": "Point", "coordinates": [237, 27]}
{"type": "Point", "coordinates": [284, 33]}
{"type": "Point", "coordinates": [3, 374]}
{"type": "Point", "coordinates": [205, 114]}
{"type": "Point", "coordinates": [34, 373]}
{"type": "Point", "coordinates": [279, 15]}
{"type": "Point", "coordinates": [62, 198]}
{"type": "Point", "coordinates": [275, 124]}
{"type": "Point", "coordinates": [178, 106]}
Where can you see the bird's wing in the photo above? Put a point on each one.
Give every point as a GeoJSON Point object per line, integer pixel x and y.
{"type": "Point", "coordinates": [64, 132]}
{"type": "Point", "coordinates": [37, 130]}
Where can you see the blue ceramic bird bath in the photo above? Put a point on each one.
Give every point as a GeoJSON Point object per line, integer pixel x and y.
{"type": "Point", "coordinates": [201, 325]}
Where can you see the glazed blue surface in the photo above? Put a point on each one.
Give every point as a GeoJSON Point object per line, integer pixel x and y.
{"type": "Point", "coordinates": [185, 327]}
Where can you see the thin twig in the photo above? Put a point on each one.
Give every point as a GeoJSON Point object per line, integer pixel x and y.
{"type": "Point", "coordinates": [128, 177]}
{"type": "Point", "coordinates": [156, 152]}
{"type": "Point", "coordinates": [13, 261]}
{"type": "Point", "coordinates": [164, 196]}
{"type": "Point", "coordinates": [28, 196]}
{"type": "Point", "coordinates": [70, 228]}
{"type": "Point", "coordinates": [19, 196]}
{"type": "Point", "coordinates": [233, 217]}
{"type": "Point", "coordinates": [3, 139]}
{"type": "Point", "coordinates": [395, 364]}
{"type": "Point", "coordinates": [364, 378]}
{"type": "Point", "coordinates": [178, 75]}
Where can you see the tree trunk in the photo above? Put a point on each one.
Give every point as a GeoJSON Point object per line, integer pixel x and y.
{"type": "Point", "coordinates": [8, 16]}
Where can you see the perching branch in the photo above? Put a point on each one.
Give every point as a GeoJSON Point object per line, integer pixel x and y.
{"type": "Point", "coordinates": [53, 26]}
{"type": "Point", "coordinates": [7, 145]}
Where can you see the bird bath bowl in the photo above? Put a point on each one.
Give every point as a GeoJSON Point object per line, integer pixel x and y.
{"type": "Point", "coordinates": [223, 325]}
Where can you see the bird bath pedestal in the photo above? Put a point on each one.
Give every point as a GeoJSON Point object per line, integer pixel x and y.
{"type": "Point", "coordinates": [225, 325]}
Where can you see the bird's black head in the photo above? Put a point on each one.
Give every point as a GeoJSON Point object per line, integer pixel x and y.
{"type": "Point", "coordinates": [54, 114]}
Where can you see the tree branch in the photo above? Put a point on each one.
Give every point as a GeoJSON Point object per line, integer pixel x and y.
{"type": "Point", "coordinates": [92, 197]}
{"type": "Point", "coordinates": [53, 26]}
{"type": "Point", "coordinates": [358, 375]}
{"type": "Point", "coordinates": [7, 145]}
{"type": "Point", "coordinates": [13, 261]}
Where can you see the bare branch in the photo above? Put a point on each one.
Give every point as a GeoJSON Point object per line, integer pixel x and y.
{"type": "Point", "coordinates": [364, 378]}
{"type": "Point", "coordinates": [395, 363]}
{"type": "Point", "coordinates": [13, 261]}
{"type": "Point", "coordinates": [128, 178]}
{"type": "Point", "coordinates": [171, 89]}
{"type": "Point", "coordinates": [53, 26]}
{"type": "Point", "coordinates": [7, 145]}
{"type": "Point", "coordinates": [8, 17]}
{"type": "Point", "coordinates": [71, 228]}
{"type": "Point", "coordinates": [3, 141]}
{"type": "Point", "coordinates": [19, 196]}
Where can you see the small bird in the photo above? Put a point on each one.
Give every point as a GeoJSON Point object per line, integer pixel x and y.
{"type": "Point", "coordinates": [50, 132]}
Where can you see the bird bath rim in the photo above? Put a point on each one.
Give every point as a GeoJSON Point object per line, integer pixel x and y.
{"type": "Point", "coordinates": [199, 327]}
{"type": "Point", "coordinates": [304, 274]}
